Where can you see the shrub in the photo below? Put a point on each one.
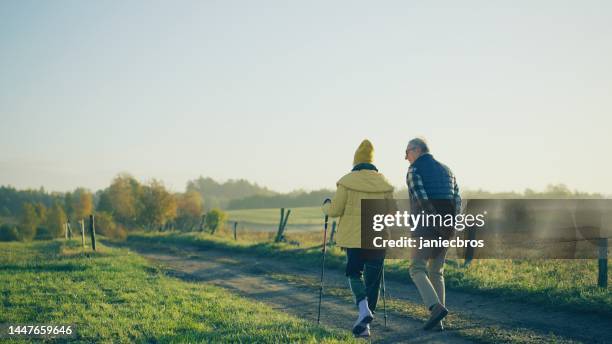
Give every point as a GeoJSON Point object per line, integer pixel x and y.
{"type": "Point", "coordinates": [26, 233]}
{"type": "Point", "coordinates": [215, 220]}
{"type": "Point", "coordinates": [8, 233]}
{"type": "Point", "coordinates": [28, 223]}
{"type": "Point", "coordinates": [56, 220]}
{"type": "Point", "coordinates": [43, 233]}
{"type": "Point", "coordinates": [106, 226]}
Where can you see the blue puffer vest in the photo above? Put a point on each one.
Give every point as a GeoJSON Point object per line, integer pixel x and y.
{"type": "Point", "coordinates": [438, 179]}
{"type": "Point", "coordinates": [439, 184]}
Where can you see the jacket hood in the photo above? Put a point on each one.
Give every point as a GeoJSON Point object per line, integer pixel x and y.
{"type": "Point", "coordinates": [366, 181]}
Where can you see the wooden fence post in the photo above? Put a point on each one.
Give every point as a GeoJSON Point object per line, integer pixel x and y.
{"type": "Point", "coordinates": [92, 229]}
{"type": "Point", "coordinates": [235, 229]}
{"type": "Point", "coordinates": [82, 223]}
{"type": "Point", "coordinates": [280, 236]}
{"type": "Point", "coordinates": [602, 278]}
{"type": "Point", "coordinates": [280, 225]}
{"type": "Point", "coordinates": [285, 222]}
{"type": "Point", "coordinates": [69, 230]}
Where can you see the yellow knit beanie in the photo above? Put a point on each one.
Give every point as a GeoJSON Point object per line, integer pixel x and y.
{"type": "Point", "coordinates": [364, 153]}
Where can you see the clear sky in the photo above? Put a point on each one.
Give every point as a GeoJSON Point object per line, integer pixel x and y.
{"type": "Point", "coordinates": [510, 95]}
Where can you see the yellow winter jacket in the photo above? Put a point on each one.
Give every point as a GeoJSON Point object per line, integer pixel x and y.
{"type": "Point", "coordinates": [346, 204]}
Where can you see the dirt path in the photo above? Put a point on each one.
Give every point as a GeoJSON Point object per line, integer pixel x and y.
{"type": "Point", "coordinates": [294, 289]}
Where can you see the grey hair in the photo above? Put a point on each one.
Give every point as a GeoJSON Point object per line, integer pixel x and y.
{"type": "Point", "coordinates": [420, 143]}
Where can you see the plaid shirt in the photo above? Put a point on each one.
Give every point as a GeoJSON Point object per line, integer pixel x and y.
{"type": "Point", "coordinates": [417, 193]}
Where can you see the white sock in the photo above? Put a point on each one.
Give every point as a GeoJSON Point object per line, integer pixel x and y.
{"type": "Point", "coordinates": [364, 310]}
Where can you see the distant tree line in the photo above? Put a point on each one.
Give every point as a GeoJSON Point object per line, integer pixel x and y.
{"type": "Point", "coordinates": [291, 200]}
{"type": "Point", "coordinates": [219, 195]}
{"type": "Point", "coordinates": [37, 214]}
{"type": "Point", "coordinates": [314, 198]}
{"type": "Point", "coordinates": [552, 191]}
{"type": "Point", "coordinates": [127, 204]}
{"type": "Point", "coordinates": [11, 199]}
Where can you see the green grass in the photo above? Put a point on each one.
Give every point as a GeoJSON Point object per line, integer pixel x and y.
{"type": "Point", "coordinates": [114, 296]}
{"type": "Point", "coordinates": [271, 216]}
{"type": "Point", "coordinates": [561, 284]}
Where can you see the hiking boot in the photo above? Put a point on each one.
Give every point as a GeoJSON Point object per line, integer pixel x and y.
{"type": "Point", "coordinates": [365, 333]}
{"type": "Point", "coordinates": [439, 327]}
{"type": "Point", "coordinates": [438, 312]}
{"type": "Point", "coordinates": [365, 317]}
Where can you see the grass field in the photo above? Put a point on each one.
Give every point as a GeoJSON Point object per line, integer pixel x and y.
{"type": "Point", "coordinates": [564, 284]}
{"type": "Point", "coordinates": [115, 296]}
{"type": "Point", "coordinates": [271, 216]}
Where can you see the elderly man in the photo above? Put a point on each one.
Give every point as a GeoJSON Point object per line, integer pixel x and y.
{"type": "Point", "coordinates": [433, 189]}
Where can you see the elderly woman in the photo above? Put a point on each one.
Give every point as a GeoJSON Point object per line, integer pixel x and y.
{"type": "Point", "coordinates": [363, 182]}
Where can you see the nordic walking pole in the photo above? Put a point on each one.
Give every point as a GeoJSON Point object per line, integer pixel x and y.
{"type": "Point", "coordinates": [322, 268]}
{"type": "Point", "coordinates": [384, 288]}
